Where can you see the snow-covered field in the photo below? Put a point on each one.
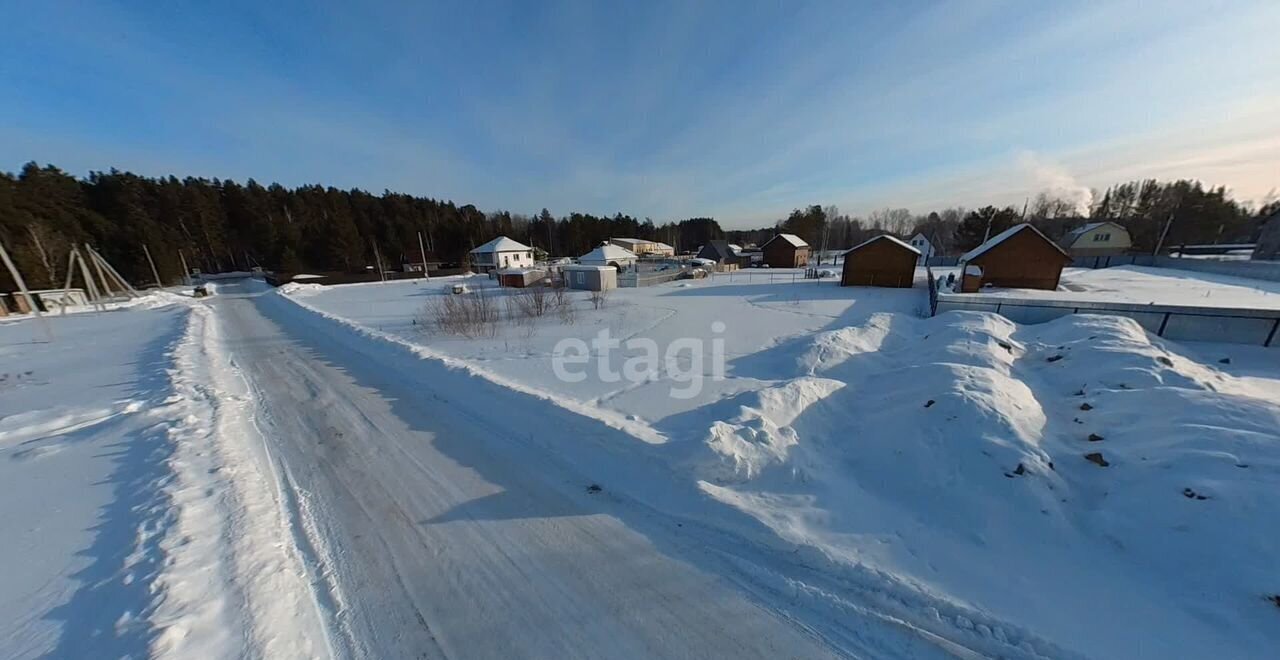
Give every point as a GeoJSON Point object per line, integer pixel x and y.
{"type": "Point", "coordinates": [318, 472]}
{"type": "Point", "coordinates": [1167, 286]}
{"type": "Point", "coordinates": [1075, 488]}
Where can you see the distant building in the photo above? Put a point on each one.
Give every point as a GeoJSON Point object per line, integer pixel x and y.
{"type": "Point", "coordinates": [881, 261]}
{"type": "Point", "coordinates": [723, 253]}
{"type": "Point", "coordinates": [1268, 247]}
{"type": "Point", "coordinates": [1019, 257]}
{"type": "Point", "coordinates": [520, 278]}
{"type": "Point", "coordinates": [786, 251]}
{"type": "Point", "coordinates": [501, 252]}
{"type": "Point", "coordinates": [1097, 239]}
{"type": "Point", "coordinates": [924, 246]}
{"type": "Point", "coordinates": [643, 248]}
{"type": "Point", "coordinates": [608, 254]}
{"type": "Point", "coordinates": [590, 278]}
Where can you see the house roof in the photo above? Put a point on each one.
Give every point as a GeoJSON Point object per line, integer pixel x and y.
{"type": "Point", "coordinates": [586, 267]}
{"type": "Point", "coordinates": [794, 240]}
{"type": "Point", "coordinates": [630, 241]}
{"type": "Point", "coordinates": [519, 271]}
{"type": "Point", "coordinates": [886, 237]}
{"type": "Point", "coordinates": [1004, 236]}
{"type": "Point", "coordinates": [608, 252]}
{"type": "Point", "coordinates": [921, 235]}
{"type": "Point", "coordinates": [1075, 234]}
{"type": "Point", "coordinates": [501, 244]}
{"type": "Point", "coordinates": [724, 248]}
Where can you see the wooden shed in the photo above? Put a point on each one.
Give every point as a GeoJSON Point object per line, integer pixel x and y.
{"type": "Point", "coordinates": [786, 251]}
{"type": "Point", "coordinates": [590, 278]}
{"type": "Point", "coordinates": [520, 277]}
{"type": "Point", "coordinates": [881, 261]}
{"type": "Point", "coordinates": [1019, 257]}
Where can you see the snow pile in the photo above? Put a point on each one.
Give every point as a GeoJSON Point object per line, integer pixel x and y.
{"type": "Point", "coordinates": [1076, 477]}
{"type": "Point", "coordinates": [299, 288]}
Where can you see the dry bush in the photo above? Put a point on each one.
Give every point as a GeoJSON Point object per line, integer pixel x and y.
{"type": "Point", "coordinates": [599, 298]}
{"type": "Point", "coordinates": [469, 315]}
{"type": "Point", "coordinates": [531, 302]}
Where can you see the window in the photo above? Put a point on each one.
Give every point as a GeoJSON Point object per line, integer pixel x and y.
{"type": "Point", "coordinates": [580, 278]}
{"type": "Point", "coordinates": [1097, 238]}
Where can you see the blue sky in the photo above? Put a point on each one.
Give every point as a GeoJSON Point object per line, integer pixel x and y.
{"type": "Point", "coordinates": [738, 110]}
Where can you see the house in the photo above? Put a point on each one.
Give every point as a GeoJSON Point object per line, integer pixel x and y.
{"type": "Point", "coordinates": [609, 255]}
{"type": "Point", "coordinates": [590, 278]}
{"type": "Point", "coordinates": [501, 252]}
{"type": "Point", "coordinates": [1019, 257]}
{"type": "Point", "coordinates": [786, 251]}
{"type": "Point", "coordinates": [643, 248]}
{"type": "Point", "coordinates": [520, 278]}
{"type": "Point", "coordinates": [881, 261]}
{"type": "Point", "coordinates": [922, 244]}
{"type": "Point", "coordinates": [721, 252]}
{"type": "Point", "coordinates": [1097, 239]}
{"type": "Point", "coordinates": [1268, 247]}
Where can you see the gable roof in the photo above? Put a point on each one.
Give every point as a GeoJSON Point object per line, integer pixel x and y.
{"type": "Point", "coordinates": [1075, 234]}
{"type": "Point", "coordinates": [608, 252]}
{"type": "Point", "coordinates": [1006, 235]}
{"type": "Point", "coordinates": [893, 239]}
{"type": "Point", "coordinates": [794, 240]}
{"type": "Point", "coordinates": [501, 244]}
{"type": "Point", "coordinates": [921, 235]}
{"type": "Point", "coordinates": [723, 248]}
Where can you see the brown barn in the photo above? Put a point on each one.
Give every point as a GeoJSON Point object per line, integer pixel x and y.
{"type": "Point", "coordinates": [786, 251]}
{"type": "Point", "coordinates": [1019, 257]}
{"type": "Point", "coordinates": [881, 261]}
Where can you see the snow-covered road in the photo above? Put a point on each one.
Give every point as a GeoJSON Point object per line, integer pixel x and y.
{"type": "Point", "coordinates": [429, 534]}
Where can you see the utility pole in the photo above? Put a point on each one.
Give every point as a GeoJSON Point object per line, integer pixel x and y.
{"type": "Point", "coordinates": [151, 261]}
{"type": "Point", "coordinates": [377, 258]}
{"type": "Point", "coordinates": [1160, 243]}
{"type": "Point", "coordinates": [422, 249]}
{"type": "Point", "coordinates": [186, 272]}
{"type": "Point", "coordinates": [97, 265]}
{"type": "Point", "coordinates": [22, 286]}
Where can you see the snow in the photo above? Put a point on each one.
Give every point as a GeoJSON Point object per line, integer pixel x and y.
{"type": "Point", "coordinates": [501, 244]}
{"type": "Point", "coordinates": [885, 237]}
{"type": "Point", "coordinates": [606, 253]}
{"type": "Point", "coordinates": [931, 471]}
{"type": "Point", "coordinates": [1002, 237]}
{"type": "Point", "coordinates": [129, 526]}
{"type": "Point", "coordinates": [1147, 285]}
{"type": "Point", "coordinates": [792, 239]}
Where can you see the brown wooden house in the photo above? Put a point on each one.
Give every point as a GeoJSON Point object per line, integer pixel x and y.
{"type": "Point", "coordinates": [1019, 257]}
{"type": "Point", "coordinates": [785, 251]}
{"type": "Point", "coordinates": [881, 261]}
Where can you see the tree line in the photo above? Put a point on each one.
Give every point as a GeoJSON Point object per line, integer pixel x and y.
{"type": "Point", "coordinates": [1184, 211]}
{"type": "Point", "coordinates": [221, 225]}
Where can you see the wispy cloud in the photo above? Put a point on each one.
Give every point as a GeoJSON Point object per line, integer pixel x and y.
{"type": "Point", "coordinates": [668, 110]}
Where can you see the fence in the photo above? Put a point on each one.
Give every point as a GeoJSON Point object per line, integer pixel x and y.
{"type": "Point", "coordinates": [1258, 270]}
{"type": "Point", "coordinates": [1260, 327]}
{"type": "Point", "coordinates": [635, 278]}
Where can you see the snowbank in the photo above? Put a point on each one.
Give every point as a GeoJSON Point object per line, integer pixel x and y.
{"type": "Point", "coordinates": [938, 471]}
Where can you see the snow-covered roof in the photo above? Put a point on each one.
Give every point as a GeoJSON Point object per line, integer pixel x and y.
{"type": "Point", "coordinates": [1076, 233]}
{"type": "Point", "coordinates": [586, 267]}
{"type": "Point", "coordinates": [886, 237]}
{"type": "Point", "coordinates": [735, 248]}
{"type": "Point", "coordinates": [519, 271]}
{"type": "Point", "coordinates": [630, 241]}
{"type": "Point", "coordinates": [794, 240]}
{"type": "Point", "coordinates": [501, 244]}
{"type": "Point", "coordinates": [1004, 236]}
{"type": "Point", "coordinates": [920, 235]}
{"type": "Point", "coordinates": [608, 252]}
